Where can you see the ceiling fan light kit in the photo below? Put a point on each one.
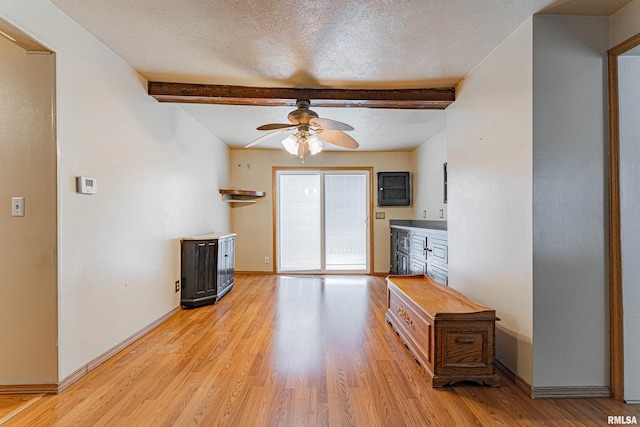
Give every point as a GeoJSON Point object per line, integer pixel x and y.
{"type": "Point", "coordinates": [310, 132]}
{"type": "Point", "coordinates": [302, 143]}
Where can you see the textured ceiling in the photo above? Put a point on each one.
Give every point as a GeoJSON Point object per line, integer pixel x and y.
{"type": "Point", "coordinates": [332, 43]}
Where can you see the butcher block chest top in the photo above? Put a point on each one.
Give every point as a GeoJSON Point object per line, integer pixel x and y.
{"type": "Point", "coordinates": [452, 337]}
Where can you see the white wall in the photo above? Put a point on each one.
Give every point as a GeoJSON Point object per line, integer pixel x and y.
{"type": "Point", "coordinates": [252, 170]}
{"type": "Point", "coordinates": [490, 194]}
{"type": "Point", "coordinates": [28, 297]}
{"type": "Point", "coordinates": [570, 254]}
{"type": "Point", "coordinates": [158, 175]}
{"type": "Point", "coordinates": [629, 92]}
{"type": "Point", "coordinates": [428, 178]}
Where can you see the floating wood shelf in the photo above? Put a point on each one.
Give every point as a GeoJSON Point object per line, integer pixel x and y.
{"type": "Point", "coordinates": [241, 196]}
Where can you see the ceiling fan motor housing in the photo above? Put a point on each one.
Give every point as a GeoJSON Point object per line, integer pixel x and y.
{"type": "Point", "coordinates": [302, 115]}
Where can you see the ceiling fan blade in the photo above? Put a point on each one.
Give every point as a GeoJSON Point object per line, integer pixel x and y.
{"type": "Point", "coordinates": [329, 124]}
{"type": "Point", "coordinates": [274, 126]}
{"type": "Point", "coordinates": [263, 137]}
{"type": "Point", "coordinates": [339, 138]}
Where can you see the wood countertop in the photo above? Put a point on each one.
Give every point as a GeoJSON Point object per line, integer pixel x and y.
{"type": "Point", "coordinates": [208, 236]}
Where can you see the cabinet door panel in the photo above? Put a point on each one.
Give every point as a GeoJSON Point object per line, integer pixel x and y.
{"type": "Point", "coordinates": [404, 242]}
{"type": "Point", "coordinates": [231, 259]}
{"type": "Point", "coordinates": [202, 251]}
{"type": "Point", "coordinates": [418, 266]}
{"type": "Point", "coordinates": [212, 251]}
{"type": "Point", "coordinates": [440, 251]}
{"type": "Point", "coordinates": [393, 250]}
{"type": "Point", "coordinates": [438, 274]}
{"type": "Point", "coordinates": [403, 264]}
{"type": "Point", "coordinates": [226, 263]}
{"type": "Point", "coordinates": [198, 268]}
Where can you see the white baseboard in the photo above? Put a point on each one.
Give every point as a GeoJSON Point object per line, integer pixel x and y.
{"type": "Point", "coordinates": [555, 392]}
{"type": "Point", "coordinates": [571, 392]}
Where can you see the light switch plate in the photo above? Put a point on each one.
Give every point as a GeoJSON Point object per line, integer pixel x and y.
{"type": "Point", "coordinates": [17, 206]}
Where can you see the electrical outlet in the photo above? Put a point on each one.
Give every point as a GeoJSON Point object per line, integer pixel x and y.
{"type": "Point", "coordinates": [266, 260]}
{"type": "Point", "coordinates": [441, 213]}
{"type": "Point", "coordinates": [424, 214]}
{"type": "Point", "coordinates": [177, 285]}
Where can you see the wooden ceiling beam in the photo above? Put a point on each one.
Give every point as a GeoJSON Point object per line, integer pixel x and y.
{"type": "Point", "coordinates": [436, 98]}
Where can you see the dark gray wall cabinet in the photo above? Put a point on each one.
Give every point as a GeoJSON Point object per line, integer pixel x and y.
{"type": "Point", "coordinates": [394, 189]}
{"type": "Point", "coordinates": [208, 267]}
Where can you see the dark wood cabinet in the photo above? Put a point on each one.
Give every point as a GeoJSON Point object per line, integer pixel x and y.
{"type": "Point", "coordinates": [393, 249]}
{"type": "Point", "coordinates": [394, 189]}
{"type": "Point", "coordinates": [226, 264]}
{"type": "Point", "coordinates": [400, 249]}
{"type": "Point", "coordinates": [208, 268]}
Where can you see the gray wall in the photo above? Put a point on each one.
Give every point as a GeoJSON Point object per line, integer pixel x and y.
{"type": "Point", "coordinates": [570, 271]}
{"type": "Point", "coordinates": [629, 90]}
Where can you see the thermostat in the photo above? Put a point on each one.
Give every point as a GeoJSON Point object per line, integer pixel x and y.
{"type": "Point", "coordinates": [86, 185]}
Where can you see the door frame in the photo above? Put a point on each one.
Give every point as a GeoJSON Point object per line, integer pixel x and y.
{"type": "Point", "coordinates": [615, 244]}
{"type": "Point", "coordinates": [274, 204]}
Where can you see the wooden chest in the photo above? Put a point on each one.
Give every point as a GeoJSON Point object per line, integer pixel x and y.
{"type": "Point", "coordinates": [452, 337]}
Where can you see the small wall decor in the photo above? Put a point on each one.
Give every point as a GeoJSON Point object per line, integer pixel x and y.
{"type": "Point", "coordinates": [445, 182]}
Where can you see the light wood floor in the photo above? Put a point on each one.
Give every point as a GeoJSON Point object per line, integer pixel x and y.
{"type": "Point", "coordinates": [12, 405]}
{"type": "Point", "coordinates": [291, 351]}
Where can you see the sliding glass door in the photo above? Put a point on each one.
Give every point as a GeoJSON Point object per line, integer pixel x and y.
{"type": "Point", "coordinates": [323, 221]}
{"type": "Point", "coordinates": [299, 222]}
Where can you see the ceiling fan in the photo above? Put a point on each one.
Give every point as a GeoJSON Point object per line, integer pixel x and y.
{"type": "Point", "coordinates": [310, 131]}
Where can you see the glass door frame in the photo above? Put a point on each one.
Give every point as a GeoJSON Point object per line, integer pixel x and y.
{"type": "Point", "coordinates": [337, 169]}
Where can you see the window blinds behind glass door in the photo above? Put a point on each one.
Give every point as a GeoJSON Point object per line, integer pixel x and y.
{"type": "Point", "coordinates": [345, 222]}
{"type": "Point", "coordinates": [299, 222]}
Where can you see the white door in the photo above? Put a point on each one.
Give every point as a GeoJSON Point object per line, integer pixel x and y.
{"type": "Point", "coordinates": [322, 221]}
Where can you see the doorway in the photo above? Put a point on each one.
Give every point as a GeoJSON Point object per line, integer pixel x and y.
{"type": "Point", "coordinates": [322, 221]}
{"type": "Point", "coordinates": [624, 229]}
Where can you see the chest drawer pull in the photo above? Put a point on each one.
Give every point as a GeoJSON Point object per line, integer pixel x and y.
{"type": "Point", "coordinates": [465, 340]}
